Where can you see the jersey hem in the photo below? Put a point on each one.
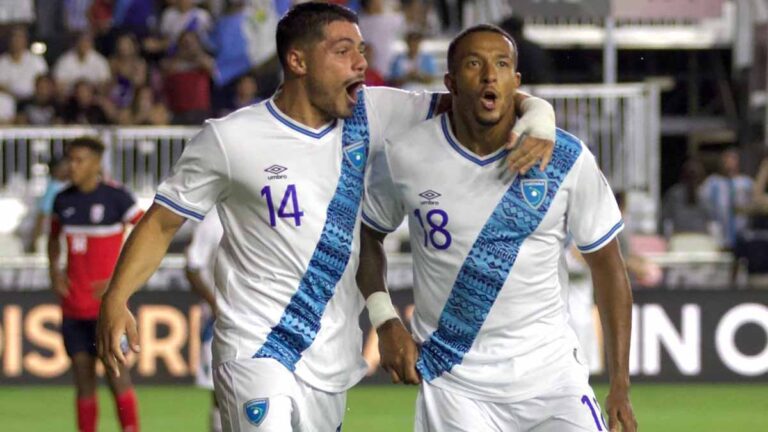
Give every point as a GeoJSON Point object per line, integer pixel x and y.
{"type": "Point", "coordinates": [370, 223]}
{"type": "Point", "coordinates": [178, 209]}
{"type": "Point", "coordinates": [602, 241]}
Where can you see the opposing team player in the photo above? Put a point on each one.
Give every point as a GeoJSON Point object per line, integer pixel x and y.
{"type": "Point", "coordinates": [201, 254]}
{"type": "Point", "coordinates": [497, 353]}
{"type": "Point", "coordinates": [92, 214]}
{"type": "Point", "coordinates": [286, 176]}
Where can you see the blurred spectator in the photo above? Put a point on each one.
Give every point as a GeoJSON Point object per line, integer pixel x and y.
{"type": "Point", "coordinates": [128, 69]}
{"type": "Point", "coordinates": [41, 109]}
{"type": "Point", "coordinates": [246, 94]}
{"type": "Point", "coordinates": [181, 17]}
{"type": "Point", "coordinates": [76, 15]}
{"type": "Point", "coordinates": [760, 193]}
{"type": "Point", "coordinates": [536, 67]}
{"type": "Point", "coordinates": [134, 16]}
{"type": "Point", "coordinates": [640, 269]}
{"type": "Point", "coordinates": [727, 195]}
{"type": "Point", "coordinates": [7, 108]}
{"type": "Point", "coordinates": [17, 12]}
{"type": "Point", "coordinates": [372, 75]}
{"type": "Point", "coordinates": [419, 15]}
{"type": "Point", "coordinates": [413, 68]}
{"type": "Point", "coordinates": [85, 106]}
{"type": "Point", "coordinates": [145, 110]}
{"type": "Point", "coordinates": [682, 209]}
{"type": "Point", "coordinates": [187, 81]}
{"type": "Point", "coordinates": [58, 171]}
{"type": "Point", "coordinates": [81, 63]}
{"type": "Point", "coordinates": [19, 67]}
{"type": "Point", "coordinates": [381, 29]}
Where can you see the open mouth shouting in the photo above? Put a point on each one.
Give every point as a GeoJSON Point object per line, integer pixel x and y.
{"type": "Point", "coordinates": [352, 89]}
{"type": "Point", "coordinates": [488, 99]}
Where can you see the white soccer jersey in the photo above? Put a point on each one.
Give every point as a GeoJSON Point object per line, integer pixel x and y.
{"type": "Point", "coordinates": [489, 310]}
{"type": "Point", "coordinates": [288, 198]}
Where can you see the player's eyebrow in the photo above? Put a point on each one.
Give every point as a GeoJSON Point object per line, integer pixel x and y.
{"type": "Point", "coordinates": [345, 40]}
{"type": "Point", "coordinates": [480, 54]}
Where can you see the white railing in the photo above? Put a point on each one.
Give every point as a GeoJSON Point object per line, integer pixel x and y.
{"type": "Point", "coordinates": [621, 125]}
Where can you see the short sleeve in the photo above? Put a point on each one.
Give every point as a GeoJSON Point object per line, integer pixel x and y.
{"type": "Point", "coordinates": [199, 179]}
{"type": "Point", "coordinates": [399, 110]}
{"type": "Point", "coordinates": [594, 218]}
{"type": "Point", "coordinates": [383, 209]}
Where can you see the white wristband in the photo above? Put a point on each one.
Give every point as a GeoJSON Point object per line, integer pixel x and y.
{"type": "Point", "coordinates": [537, 118]}
{"type": "Point", "coordinates": [380, 308]}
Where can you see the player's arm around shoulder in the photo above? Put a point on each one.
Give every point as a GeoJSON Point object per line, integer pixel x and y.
{"type": "Point", "coordinates": [532, 139]}
{"type": "Point", "coordinates": [614, 302]}
{"type": "Point", "coordinates": [139, 258]}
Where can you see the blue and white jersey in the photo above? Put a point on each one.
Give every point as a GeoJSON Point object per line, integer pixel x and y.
{"type": "Point", "coordinates": [289, 199]}
{"type": "Point", "coordinates": [489, 312]}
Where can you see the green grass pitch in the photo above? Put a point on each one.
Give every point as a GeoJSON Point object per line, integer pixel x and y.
{"type": "Point", "coordinates": [659, 408]}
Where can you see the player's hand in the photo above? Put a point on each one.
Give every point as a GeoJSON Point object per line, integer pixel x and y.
{"type": "Point", "coordinates": [60, 284]}
{"type": "Point", "coordinates": [115, 320]}
{"type": "Point", "coordinates": [526, 151]}
{"type": "Point", "coordinates": [399, 352]}
{"type": "Point", "coordinates": [620, 414]}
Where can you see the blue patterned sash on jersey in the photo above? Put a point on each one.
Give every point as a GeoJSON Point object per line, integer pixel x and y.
{"type": "Point", "coordinates": [489, 261]}
{"type": "Point", "coordinates": [300, 322]}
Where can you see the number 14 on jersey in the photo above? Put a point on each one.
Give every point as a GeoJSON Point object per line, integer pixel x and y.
{"type": "Point", "coordinates": [290, 198]}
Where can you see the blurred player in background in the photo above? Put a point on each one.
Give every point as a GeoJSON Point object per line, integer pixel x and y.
{"type": "Point", "coordinates": [58, 170]}
{"type": "Point", "coordinates": [199, 271]}
{"type": "Point", "coordinates": [92, 215]}
{"type": "Point", "coordinates": [286, 177]}
{"type": "Point", "coordinates": [496, 351]}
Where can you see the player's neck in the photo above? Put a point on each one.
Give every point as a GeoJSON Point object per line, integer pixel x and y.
{"type": "Point", "coordinates": [480, 139]}
{"type": "Point", "coordinates": [89, 185]}
{"type": "Point", "coordinates": [293, 100]}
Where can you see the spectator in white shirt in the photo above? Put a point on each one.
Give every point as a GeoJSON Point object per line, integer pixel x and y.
{"type": "Point", "coordinates": [19, 67]}
{"type": "Point", "coordinates": [82, 63]}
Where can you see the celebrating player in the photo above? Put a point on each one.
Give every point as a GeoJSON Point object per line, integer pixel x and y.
{"type": "Point", "coordinates": [286, 176]}
{"type": "Point", "coordinates": [497, 353]}
{"type": "Point", "coordinates": [92, 215]}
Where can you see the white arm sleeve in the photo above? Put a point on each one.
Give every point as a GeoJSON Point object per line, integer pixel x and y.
{"type": "Point", "coordinates": [383, 210]}
{"type": "Point", "coordinates": [199, 179]}
{"type": "Point", "coordinates": [399, 110]}
{"type": "Point", "coordinates": [594, 218]}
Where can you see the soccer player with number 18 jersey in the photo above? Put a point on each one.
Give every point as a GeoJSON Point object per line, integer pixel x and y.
{"type": "Point", "coordinates": [496, 351]}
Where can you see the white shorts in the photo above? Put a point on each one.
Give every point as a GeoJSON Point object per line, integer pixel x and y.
{"type": "Point", "coordinates": [262, 395]}
{"type": "Point", "coordinates": [564, 409]}
{"type": "Point", "coordinates": [204, 376]}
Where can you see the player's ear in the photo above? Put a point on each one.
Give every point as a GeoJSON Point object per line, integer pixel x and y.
{"type": "Point", "coordinates": [449, 83]}
{"type": "Point", "coordinates": [296, 61]}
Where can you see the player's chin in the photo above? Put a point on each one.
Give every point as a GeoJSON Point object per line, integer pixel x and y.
{"type": "Point", "coordinates": [487, 118]}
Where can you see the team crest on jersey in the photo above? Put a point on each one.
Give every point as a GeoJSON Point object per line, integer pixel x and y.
{"type": "Point", "coordinates": [534, 191]}
{"type": "Point", "coordinates": [355, 154]}
{"type": "Point", "coordinates": [256, 410]}
{"type": "Point", "coordinates": [97, 213]}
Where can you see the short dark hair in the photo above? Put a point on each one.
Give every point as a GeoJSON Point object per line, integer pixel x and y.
{"type": "Point", "coordinates": [91, 143]}
{"type": "Point", "coordinates": [476, 29]}
{"type": "Point", "coordinates": [305, 23]}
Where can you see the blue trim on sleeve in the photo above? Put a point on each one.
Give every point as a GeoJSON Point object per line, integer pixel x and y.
{"type": "Point", "coordinates": [602, 239]}
{"type": "Point", "coordinates": [192, 214]}
{"type": "Point", "coordinates": [307, 132]}
{"type": "Point", "coordinates": [371, 223]}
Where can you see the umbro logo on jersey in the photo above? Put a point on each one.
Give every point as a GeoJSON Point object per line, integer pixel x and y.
{"type": "Point", "coordinates": [534, 191]}
{"type": "Point", "coordinates": [69, 211]}
{"type": "Point", "coordinates": [430, 196]}
{"type": "Point", "coordinates": [276, 171]}
{"type": "Point", "coordinates": [256, 410]}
